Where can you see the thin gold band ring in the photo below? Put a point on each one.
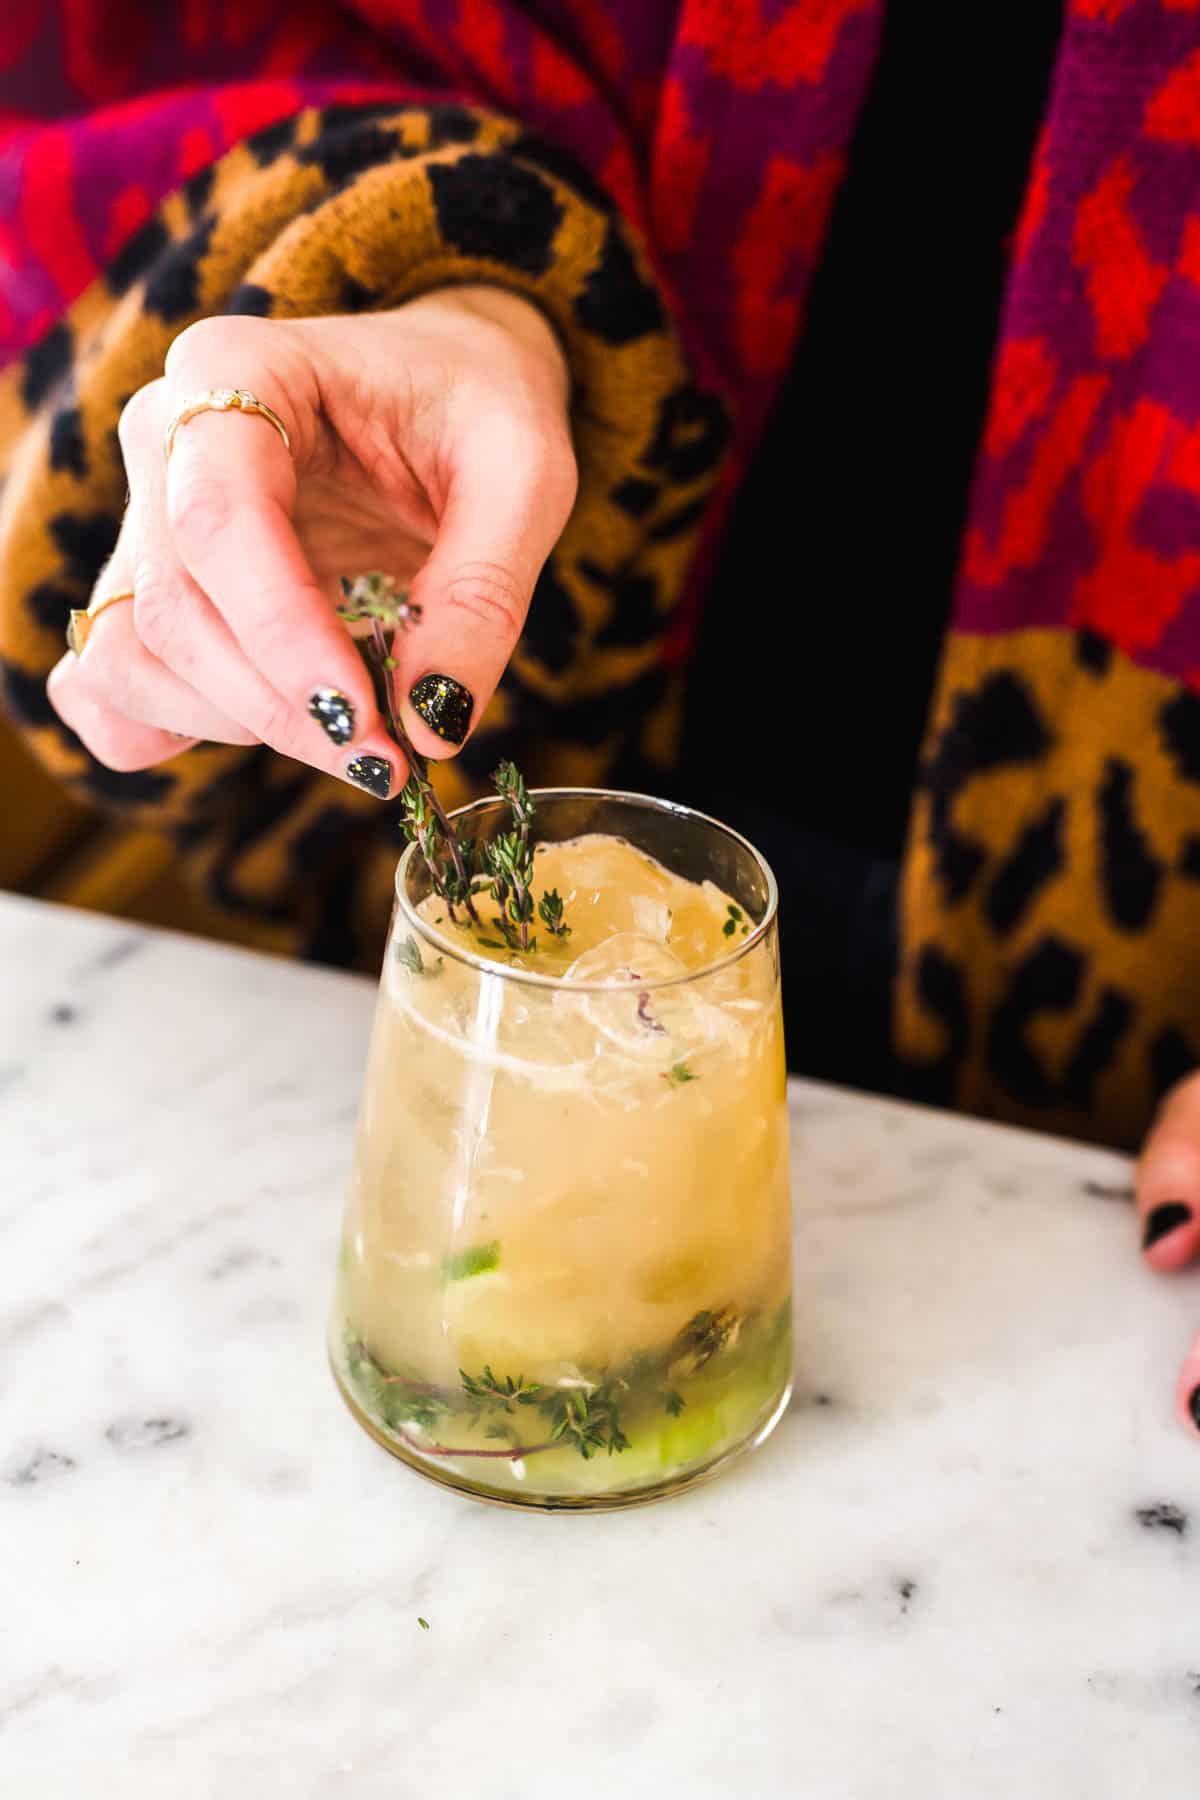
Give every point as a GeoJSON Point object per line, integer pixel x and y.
{"type": "Point", "coordinates": [225, 400]}
{"type": "Point", "coordinates": [79, 624]}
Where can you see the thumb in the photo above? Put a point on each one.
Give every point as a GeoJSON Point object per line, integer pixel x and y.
{"type": "Point", "coordinates": [1168, 1180]}
{"type": "Point", "coordinates": [1168, 1203]}
{"type": "Point", "coordinates": [511, 492]}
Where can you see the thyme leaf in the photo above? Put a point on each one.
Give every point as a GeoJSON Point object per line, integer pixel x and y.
{"type": "Point", "coordinates": [505, 1392]}
{"type": "Point", "coordinates": [408, 955]}
{"type": "Point", "coordinates": [587, 1419]}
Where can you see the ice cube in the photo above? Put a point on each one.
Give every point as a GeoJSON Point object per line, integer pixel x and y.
{"type": "Point", "coordinates": [653, 917]}
{"type": "Point", "coordinates": [652, 1024]}
{"type": "Point", "coordinates": [627, 957]}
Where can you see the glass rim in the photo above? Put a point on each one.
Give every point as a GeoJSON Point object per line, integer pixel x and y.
{"type": "Point", "coordinates": [530, 977]}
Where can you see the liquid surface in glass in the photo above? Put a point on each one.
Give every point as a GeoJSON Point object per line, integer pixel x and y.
{"type": "Point", "coordinates": [566, 1272]}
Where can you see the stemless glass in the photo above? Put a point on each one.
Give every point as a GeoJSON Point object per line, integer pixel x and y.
{"type": "Point", "coordinates": [565, 1279]}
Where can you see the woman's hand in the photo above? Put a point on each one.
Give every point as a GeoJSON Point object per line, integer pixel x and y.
{"type": "Point", "coordinates": [1168, 1202]}
{"type": "Point", "coordinates": [433, 438]}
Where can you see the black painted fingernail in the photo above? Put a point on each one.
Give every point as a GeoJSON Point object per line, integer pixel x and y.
{"type": "Point", "coordinates": [371, 773]}
{"type": "Point", "coordinates": [1194, 1406]}
{"type": "Point", "coordinates": [445, 705]}
{"type": "Point", "coordinates": [1164, 1220]}
{"type": "Point", "coordinates": [333, 713]}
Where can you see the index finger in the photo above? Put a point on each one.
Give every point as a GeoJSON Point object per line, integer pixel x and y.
{"type": "Point", "coordinates": [231, 488]}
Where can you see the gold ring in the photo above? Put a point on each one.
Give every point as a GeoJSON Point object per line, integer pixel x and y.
{"type": "Point", "coordinates": [225, 400]}
{"type": "Point", "coordinates": [79, 625]}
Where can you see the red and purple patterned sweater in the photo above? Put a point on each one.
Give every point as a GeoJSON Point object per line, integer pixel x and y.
{"type": "Point", "coordinates": [722, 130]}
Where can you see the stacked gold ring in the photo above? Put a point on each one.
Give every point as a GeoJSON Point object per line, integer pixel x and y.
{"type": "Point", "coordinates": [79, 624]}
{"type": "Point", "coordinates": [225, 400]}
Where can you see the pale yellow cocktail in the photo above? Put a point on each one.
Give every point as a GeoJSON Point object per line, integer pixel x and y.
{"type": "Point", "coordinates": [566, 1272]}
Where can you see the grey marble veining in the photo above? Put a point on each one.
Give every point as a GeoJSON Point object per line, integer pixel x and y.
{"type": "Point", "coordinates": [966, 1565]}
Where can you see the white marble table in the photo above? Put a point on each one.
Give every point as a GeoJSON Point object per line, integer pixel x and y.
{"type": "Point", "coordinates": [966, 1565]}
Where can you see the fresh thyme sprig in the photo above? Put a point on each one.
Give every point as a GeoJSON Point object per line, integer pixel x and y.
{"type": "Point", "coordinates": [508, 857]}
{"type": "Point", "coordinates": [503, 1393]}
{"type": "Point", "coordinates": [505, 864]}
{"type": "Point", "coordinates": [550, 911]}
{"type": "Point", "coordinates": [510, 785]}
{"type": "Point", "coordinates": [508, 861]}
{"type": "Point", "coordinates": [501, 857]}
{"type": "Point", "coordinates": [586, 1418]}
{"type": "Point", "coordinates": [375, 598]}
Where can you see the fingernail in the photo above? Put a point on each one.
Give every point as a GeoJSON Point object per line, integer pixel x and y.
{"type": "Point", "coordinates": [333, 712]}
{"type": "Point", "coordinates": [445, 705]}
{"type": "Point", "coordinates": [1164, 1220]}
{"type": "Point", "coordinates": [371, 773]}
{"type": "Point", "coordinates": [1194, 1406]}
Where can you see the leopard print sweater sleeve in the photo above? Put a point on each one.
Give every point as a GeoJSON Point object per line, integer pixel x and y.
{"type": "Point", "coordinates": [339, 210]}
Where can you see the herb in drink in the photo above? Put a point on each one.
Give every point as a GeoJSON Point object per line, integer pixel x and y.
{"type": "Point", "coordinates": [458, 867]}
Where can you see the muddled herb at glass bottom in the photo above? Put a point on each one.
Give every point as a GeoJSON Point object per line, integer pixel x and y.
{"type": "Point", "coordinates": [603, 1412]}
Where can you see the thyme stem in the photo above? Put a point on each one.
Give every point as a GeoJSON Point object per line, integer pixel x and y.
{"type": "Point", "coordinates": [419, 771]}
{"type": "Point", "coordinates": [506, 862]}
{"type": "Point", "coordinates": [514, 1454]}
{"type": "Point", "coordinates": [524, 866]}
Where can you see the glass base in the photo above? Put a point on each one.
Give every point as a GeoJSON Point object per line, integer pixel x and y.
{"type": "Point", "coordinates": [615, 1500]}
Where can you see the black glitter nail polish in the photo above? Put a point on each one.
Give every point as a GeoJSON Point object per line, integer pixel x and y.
{"type": "Point", "coordinates": [371, 773]}
{"type": "Point", "coordinates": [445, 705]}
{"type": "Point", "coordinates": [1164, 1220]}
{"type": "Point", "coordinates": [333, 712]}
{"type": "Point", "coordinates": [1194, 1406]}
